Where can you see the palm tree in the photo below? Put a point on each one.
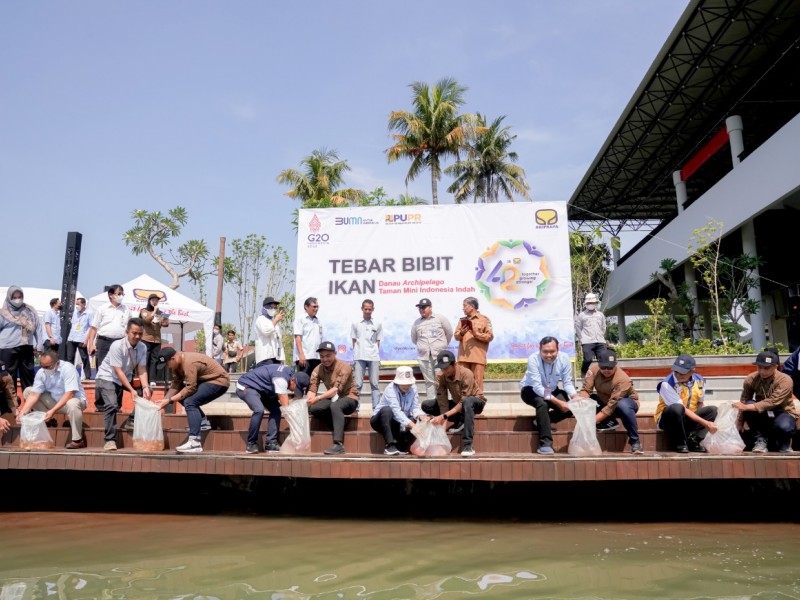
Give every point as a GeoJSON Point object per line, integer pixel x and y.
{"type": "Point", "coordinates": [319, 179]}
{"type": "Point", "coordinates": [432, 131]}
{"type": "Point", "coordinates": [487, 172]}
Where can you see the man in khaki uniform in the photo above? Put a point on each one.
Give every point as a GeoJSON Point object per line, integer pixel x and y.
{"type": "Point", "coordinates": [612, 389]}
{"type": "Point", "coordinates": [474, 332]}
{"type": "Point", "coordinates": [340, 397]}
{"type": "Point", "coordinates": [458, 399]}
{"type": "Point", "coordinates": [767, 406]}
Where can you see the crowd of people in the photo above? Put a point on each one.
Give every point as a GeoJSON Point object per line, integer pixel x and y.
{"type": "Point", "coordinates": [129, 357]}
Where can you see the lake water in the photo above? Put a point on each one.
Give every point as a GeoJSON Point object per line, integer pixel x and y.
{"type": "Point", "coordinates": [87, 555]}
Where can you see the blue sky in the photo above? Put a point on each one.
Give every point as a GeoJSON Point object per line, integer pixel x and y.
{"type": "Point", "coordinates": [106, 107]}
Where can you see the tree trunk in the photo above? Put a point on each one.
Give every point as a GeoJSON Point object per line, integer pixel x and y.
{"type": "Point", "coordinates": [434, 186]}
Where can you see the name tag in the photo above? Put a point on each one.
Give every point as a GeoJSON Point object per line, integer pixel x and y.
{"type": "Point", "coordinates": [771, 414]}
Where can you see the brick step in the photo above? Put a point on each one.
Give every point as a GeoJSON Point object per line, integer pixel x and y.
{"type": "Point", "coordinates": [362, 442]}
{"type": "Point", "coordinates": [360, 423]}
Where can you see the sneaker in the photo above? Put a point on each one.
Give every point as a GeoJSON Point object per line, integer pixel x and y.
{"type": "Point", "coordinates": [110, 446]}
{"type": "Point", "coordinates": [205, 425]}
{"type": "Point", "coordinates": [128, 424]}
{"type": "Point", "coordinates": [272, 447]}
{"type": "Point", "coordinates": [191, 446]}
{"type": "Point", "coordinates": [636, 448]}
{"type": "Point", "coordinates": [682, 449]}
{"type": "Point", "coordinates": [76, 444]}
{"type": "Point", "coordinates": [391, 450]}
{"type": "Point", "coordinates": [456, 428]}
{"type": "Point", "coordinates": [467, 451]}
{"type": "Point", "coordinates": [787, 447]}
{"type": "Point", "coordinates": [608, 425]}
{"type": "Point", "coordinates": [251, 448]}
{"type": "Point", "coordinates": [760, 446]}
{"type": "Point", "coordinates": [337, 448]}
{"type": "Point", "coordinates": [546, 450]}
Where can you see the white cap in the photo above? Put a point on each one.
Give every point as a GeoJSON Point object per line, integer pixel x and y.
{"type": "Point", "coordinates": [591, 298]}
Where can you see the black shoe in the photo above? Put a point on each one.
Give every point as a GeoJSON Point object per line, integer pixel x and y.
{"type": "Point", "coordinates": [608, 425]}
{"type": "Point", "coordinates": [128, 424]}
{"type": "Point", "coordinates": [636, 448]}
{"type": "Point", "coordinates": [694, 446]}
{"type": "Point", "coordinates": [251, 448]}
{"type": "Point", "coordinates": [391, 450]}
{"type": "Point", "coordinates": [337, 448]}
{"type": "Point", "coordinates": [682, 449]}
{"type": "Point", "coordinates": [272, 447]}
{"type": "Point", "coordinates": [457, 428]}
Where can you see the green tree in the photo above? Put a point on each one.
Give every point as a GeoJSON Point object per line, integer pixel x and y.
{"type": "Point", "coordinates": [488, 170]}
{"type": "Point", "coordinates": [259, 270]}
{"type": "Point", "coordinates": [432, 131]}
{"type": "Point", "coordinates": [153, 232]}
{"type": "Point", "coordinates": [679, 295]}
{"type": "Point", "coordinates": [590, 260]}
{"type": "Point", "coordinates": [319, 180]}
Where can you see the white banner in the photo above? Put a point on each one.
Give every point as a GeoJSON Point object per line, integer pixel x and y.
{"type": "Point", "coordinates": [514, 258]}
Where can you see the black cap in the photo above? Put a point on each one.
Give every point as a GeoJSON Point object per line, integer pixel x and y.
{"type": "Point", "coordinates": [684, 363]}
{"type": "Point", "coordinates": [423, 303]}
{"type": "Point", "coordinates": [165, 354]}
{"type": "Point", "coordinates": [269, 300]}
{"type": "Point", "coordinates": [326, 346]}
{"type": "Point", "coordinates": [607, 359]}
{"type": "Point", "coordinates": [151, 296]}
{"type": "Point", "coordinates": [301, 381]}
{"type": "Point", "coordinates": [445, 358]}
{"type": "Point", "coordinates": [766, 359]}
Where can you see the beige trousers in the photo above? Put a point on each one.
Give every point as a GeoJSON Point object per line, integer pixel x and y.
{"type": "Point", "coordinates": [73, 409]}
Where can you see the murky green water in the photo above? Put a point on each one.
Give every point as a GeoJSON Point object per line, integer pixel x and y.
{"type": "Point", "coordinates": [69, 555]}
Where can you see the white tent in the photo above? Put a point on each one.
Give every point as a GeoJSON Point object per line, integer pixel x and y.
{"type": "Point", "coordinates": [185, 315]}
{"type": "Point", "coordinates": [38, 298]}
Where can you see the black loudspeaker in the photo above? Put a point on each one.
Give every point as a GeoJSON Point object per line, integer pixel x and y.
{"type": "Point", "coordinates": [69, 287]}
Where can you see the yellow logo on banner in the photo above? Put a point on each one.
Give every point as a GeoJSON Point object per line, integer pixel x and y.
{"type": "Point", "coordinates": [546, 216]}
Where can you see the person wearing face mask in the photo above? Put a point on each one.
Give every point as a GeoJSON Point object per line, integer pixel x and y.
{"type": "Point", "coordinates": [269, 334]}
{"type": "Point", "coordinates": [590, 325]}
{"type": "Point", "coordinates": [21, 336]}
{"type": "Point", "coordinates": [57, 389]}
{"type": "Point", "coordinates": [76, 341]}
{"type": "Point", "coordinates": [52, 325]}
{"type": "Point", "coordinates": [108, 326]}
{"type": "Point", "coordinates": [154, 321]}
{"type": "Point", "coordinates": [217, 345]}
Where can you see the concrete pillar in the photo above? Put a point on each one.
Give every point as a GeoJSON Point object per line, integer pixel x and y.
{"type": "Point", "coordinates": [623, 336]}
{"type": "Point", "coordinates": [691, 289]}
{"type": "Point", "coordinates": [680, 190]}
{"type": "Point", "coordinates": [735, 128]}
{"type": "Point", "coordinates": [615, 253]}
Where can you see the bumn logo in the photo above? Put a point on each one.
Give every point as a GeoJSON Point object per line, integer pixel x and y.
{"type": "Point", "coordinates": [546, 216]}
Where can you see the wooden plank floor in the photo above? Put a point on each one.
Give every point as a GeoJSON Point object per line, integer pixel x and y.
{"type": "Point", "coordinates": [483, 467]}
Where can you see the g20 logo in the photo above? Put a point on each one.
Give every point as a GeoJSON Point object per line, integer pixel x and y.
{"type": "Point", "coordinates": [317, 238]}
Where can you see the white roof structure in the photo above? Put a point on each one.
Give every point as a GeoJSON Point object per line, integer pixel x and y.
{"type": "Point", "coordinates": [185, 314]}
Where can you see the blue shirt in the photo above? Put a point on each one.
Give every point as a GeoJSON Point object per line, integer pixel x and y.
{"type": "Point", "coordinates": [270, 379]}
{"type": "Point", "coordinates": [53, 317]}
{"type": "Point", "coordinates": [13, 336]}
{"type": "Point", "coordinates": [403, 405]}
{"type": "Point", "coordinates": [81, 321]}
{"type": "Point", "coordinates": [64, 379]}
{"type": "Point", "coordinates": [540, 375]}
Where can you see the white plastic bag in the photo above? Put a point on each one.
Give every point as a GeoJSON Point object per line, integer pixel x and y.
{"type": "Point", "coordinates": [727, 439]}
{"type": "Point", "coordinates": [299, 440]}
{"type": "Point", "coordinates": [33, 432]}
{"type": "Point", "coordinates": [431, 440]}
{"type": "Point", "coordinates": [584, 438]}
{"type": "Point", "coordinates": [148, 433]}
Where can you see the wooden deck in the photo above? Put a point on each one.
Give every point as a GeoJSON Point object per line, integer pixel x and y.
{"type": "Point", "coordinates": [504, 444]}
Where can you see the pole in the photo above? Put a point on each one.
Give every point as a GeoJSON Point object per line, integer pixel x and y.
{"type": "Point", "coordinates": [69, 287]}
{"type": "Point", "coordinates": [220, 279]}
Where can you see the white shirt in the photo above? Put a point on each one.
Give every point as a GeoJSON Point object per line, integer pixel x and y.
{"type": "Point", "coordinates": [367, 334]}
{"type": "Point", "coordinates": [110, 321]}
{"type": "Point", "coordinates": [311, 331]}
{"type": "Point", "coordinates": [122, 355]}
{"type": "Point", "coordinates": [65, 379]}
{"type": "Point", "coordinates": [269, 339]}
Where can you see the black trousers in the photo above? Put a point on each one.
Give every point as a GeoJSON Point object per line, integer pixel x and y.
{"type": "Point", "coordinates": [102, 345]}
{"type": "Point", "coordinates": [152, 360]}
{"type": "Point", "coordinates": [679, 427]}
{"type": "Point", "coordinates": [19, 364]}
{"type": "Point", "coordinates": [74, 348]}
{"type": "Point", "coordinates": [470, 406]}
{"type": "Point", "coordinates": [546, 412]}
{"type": "Point", "coordinates": [311, 364]}
{"type": "Point", "coordinates": [590, 351]}
{"type": "Point", "coordinates": [334, 413]}
{"type": "Point", "coordinates": [383, 422]}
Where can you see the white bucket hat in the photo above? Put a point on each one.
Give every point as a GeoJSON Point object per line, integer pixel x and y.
{"type": "Point", "coordinates": [590, 298]}
{"type": "Point", "coordinates": [404, 376]}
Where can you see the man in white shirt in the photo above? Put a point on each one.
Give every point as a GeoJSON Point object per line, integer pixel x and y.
{"type": "Point", "coordinates": [431, 334]}
{"type": "Point", "coordinates": [56, 389]}
{"type": "Point", "coordinates": [366, 335]}
{"type": "Point", "coordinates": [76, 341]}
{"type": "Point", "coordinates": [269, 334]}
{"type": "Point", "coordinates": [307, 337]}
{"type": "Point", "coordinates": [539, 389]}
{"type": "Point", "coordinates": [52, 325]}
{"type": "Point", "coordinates": [126, 359]}
{"type": "Point", "coordinates": [108, 324]}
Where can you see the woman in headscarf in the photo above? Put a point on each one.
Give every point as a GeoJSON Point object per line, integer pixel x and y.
{"type": "Point", "coordinates": [21, 334]}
